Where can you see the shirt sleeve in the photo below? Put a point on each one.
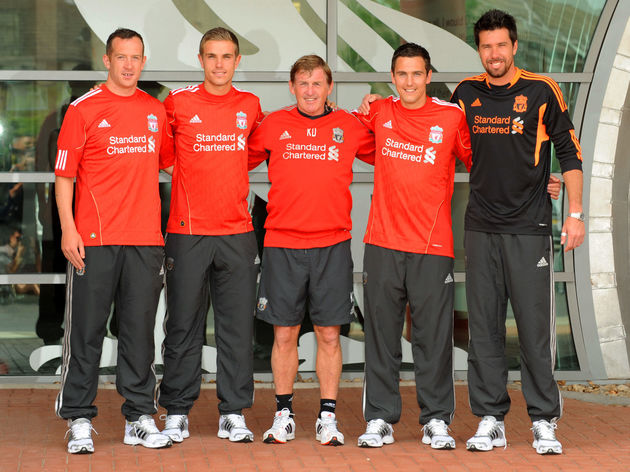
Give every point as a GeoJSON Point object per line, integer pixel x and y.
{"type": "Point", "coordinates": [167, 150]}
{"type": "Point", "coordinates": [259, 117]}
{"type": "Point", "coordinates": [366, 148]}
{"type": "Point", "coordinates": [71, 143]}
{"type": "Point", "coordinates": [463, 148]}
{"type": "Point", "coordinates": [256, 146]}
{"type": "Point", "coordinates": [369, 119]}
{"type": "Point", "coordinates": [560, 129]}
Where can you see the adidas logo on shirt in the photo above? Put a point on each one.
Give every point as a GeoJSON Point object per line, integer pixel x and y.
{"type": "Point", "coordinates": [195, 119]}
{"type": "Point", "coordinates": [542, 262]}
{"type": "Point", "coordinates": [476, 103]}
{"type": "Point", "coordinates": [448, 279]}
{"type": "Point", "coordinates": [388, 124]}
{"type": "Point", "coordinates": [285, 135]}
{"type": "Point", "coordinates": [104, 124]}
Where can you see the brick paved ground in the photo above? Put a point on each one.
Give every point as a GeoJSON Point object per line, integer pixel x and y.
{"type": "Point", "coordinates": [594, 436]}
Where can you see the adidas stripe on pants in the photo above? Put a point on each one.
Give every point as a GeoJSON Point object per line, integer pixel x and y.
{"type": "Point", "coordinates": [391, 278]}
{"type": "Point", "coordinates": [129, 276]}
{"type": "Point", "coordinates": [518, 267]}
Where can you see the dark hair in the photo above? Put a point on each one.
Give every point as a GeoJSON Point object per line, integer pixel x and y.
{"type": "Point", "coordinates": [218, 34]}
{"type": "Point", "coordinates": [122, 33]}
{"type": "Point", "coordinates": [493, 20]}
{"type": "Point", "coordinates": [412, 50]}
{"type": "Point", "coordinates": [309, 64]}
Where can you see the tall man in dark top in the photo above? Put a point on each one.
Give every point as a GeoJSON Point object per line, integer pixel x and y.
{"type": "Point", "coordinates": [514, 116]}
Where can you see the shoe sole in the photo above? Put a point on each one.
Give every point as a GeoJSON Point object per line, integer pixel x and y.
{"type": "Point", "coordinates": [271, 439]}
{"type": "Point", "coordinates": [547, 451]}
{"type": "Point", "coordinates": [139, 442]}
{"type": "Point", "coordinates": [177, 438]}
{"type": "Point", "coordinates": [447, 446]}
{"type": "Point", "coordinates": [83, 450]}
{"type": "Point", "coordinates": [367, 444]}
{"type": "Point", "coordinates": [333, 442]}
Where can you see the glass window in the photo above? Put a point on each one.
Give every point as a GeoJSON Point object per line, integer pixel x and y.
{"type": "Point", "coordinates": [554, 35]}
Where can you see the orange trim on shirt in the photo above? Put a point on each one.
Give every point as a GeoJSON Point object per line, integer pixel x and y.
{"type": "Point", "coordinates": [541, 133]}
{"type": "Point", "coordinates": [576, 142]}
{"type": "Point", "coordinates": [552, 84]}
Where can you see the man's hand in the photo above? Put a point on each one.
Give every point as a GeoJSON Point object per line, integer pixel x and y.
{"type": "Point", "coordinates": [554, 186]}
{"type": "Point", "coordinates": [572, 233]}
{"type": "Point", "coordinates": [364, 108]}
{"type": "Point", "coordinates": [72, 247]}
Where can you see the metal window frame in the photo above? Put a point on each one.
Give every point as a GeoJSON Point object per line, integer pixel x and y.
{"type": "Point", "coordinates": [589, 359]}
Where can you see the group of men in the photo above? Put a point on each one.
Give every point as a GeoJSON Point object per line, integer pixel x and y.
{"type": "Point", "coordinates": [208, 136]}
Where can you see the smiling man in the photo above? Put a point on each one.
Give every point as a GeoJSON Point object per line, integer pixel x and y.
{"type": "Point", "coordinates": [310, 150]}
{"type": "Point", "coordinates": [112, 140]}
{"type": "Point", "coordinates": [409, 251]}
{"type": "Point", "coordinates": [514, 116]}
{"type": "Point", "coordinates": [211, 250]}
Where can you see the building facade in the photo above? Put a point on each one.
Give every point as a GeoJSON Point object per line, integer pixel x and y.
{"type": "Point", "coordinates": [52, 52]}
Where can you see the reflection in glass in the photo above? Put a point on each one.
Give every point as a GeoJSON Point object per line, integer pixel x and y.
{"type": "Point", "coordinates": [554, 35]}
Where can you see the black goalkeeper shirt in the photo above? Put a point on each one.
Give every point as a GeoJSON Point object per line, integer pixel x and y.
{"type": "Point", "coordinates": [511, 129]}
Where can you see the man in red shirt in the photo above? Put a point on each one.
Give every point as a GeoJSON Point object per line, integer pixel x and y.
{"type": "Point", "coordinates": [211, 250]}
{"type": "Point", "coordinates": [310, 150]}
{"type": "Point", "coordinates": [409, 250]}
{"type": "Point", "coordinates": [110, 141]}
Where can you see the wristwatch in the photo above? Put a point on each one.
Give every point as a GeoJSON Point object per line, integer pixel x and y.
{"type": "Point", "coordinates": [577, 216]}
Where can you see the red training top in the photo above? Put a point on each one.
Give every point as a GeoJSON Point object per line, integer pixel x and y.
{"type": "Point", "coordinates": [310, 170]}
{"type": "Point", "coordinates": [111, 144]}
{"type": "Point", "coordinates": [413, 174]}
{"type": "Point", "coordinates": [210, 182]}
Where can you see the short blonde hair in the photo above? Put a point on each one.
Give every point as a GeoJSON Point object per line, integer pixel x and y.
{"type": "Point", "coordinates": [218, 34]}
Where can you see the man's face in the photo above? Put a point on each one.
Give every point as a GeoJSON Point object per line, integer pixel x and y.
{"type": "Point", "coordinates": [15, 239]}
{"type": "Point", "coordinates": [219, 61]}
{"type": "Point", "coordinates": [311, 89]}
{"type": "Point", "coordinates": [411, 79]}
{"type": "Point", "coordinates": [125, 63]}
{"type": "Point", "coordinates": [496, 52]}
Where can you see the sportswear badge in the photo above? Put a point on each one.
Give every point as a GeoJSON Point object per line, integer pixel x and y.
{"type": "Point", "coordinates": [448, 279]}
{"type": "Point", "coordinates": [333, 153]}
{"type": "Point", "coordinates": [285, 135]}
{"type": "Point", "coordinates": [388, 124]}
{"type": "Point", "coordinates": [152, 123]}
{"type": "Point", "coordinates": [104, 124]}
{"type": "Point", "coordinates": [338, 135]}
{"type": "Point", "coordinates": [542, 262]}
{"type": "Point", "coordinates": [92, 235]}
{"type": "Point", "coordinates": [520, 104]}
{"type": "Point", "coordinates": [476, 103]}
{"type": "Point", "coordinates": [517, 125]}
{"type": "Point", "coordinates": [81, 271]}
{"type": "Point", "coordinates": [436, 134]}
{"type": "Point", "coordinates": [262, 304]}
{"type": "Point", "coordinates": [195, 119]}
{"type": "Point", "coordinates": [241, 120]}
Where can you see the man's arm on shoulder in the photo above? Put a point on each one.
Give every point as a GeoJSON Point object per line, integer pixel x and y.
{"type": "Point", "coordinates": [71, 242]}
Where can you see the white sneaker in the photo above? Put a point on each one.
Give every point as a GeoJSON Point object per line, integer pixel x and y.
{"type": "Point", "coordinates": [283, 428]}
{"type": "Point", "coordinates": [79, 436]}
{"type": "Point", "coordinates": [175, 427]}
{"type": "Point", "coordinates": [490, 434]}
{"type": "Point", "coordinates": [436, 434]}
{"type": "Point", "coordinates": [545, 441]}
{"type": "Point", "coordinates": [233, 427]}
{"type": "Point", "coordinates": [145, 433]}
{"type": "Point", "coordinates": [326, 431]}
{"type": "Point", "coordinates": [377, 433]}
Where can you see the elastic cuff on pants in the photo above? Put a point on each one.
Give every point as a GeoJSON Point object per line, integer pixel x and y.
{"type": "Point", "coordinates": [549, 419]}
{"type": "Point", "coordinates": [235, 412]}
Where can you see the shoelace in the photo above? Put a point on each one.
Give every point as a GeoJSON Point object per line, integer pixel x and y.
{"type": "Point", "coordinates": [238, 421]}
{"type": "Point", "coordinates": [545, 430]}
{"type": "Point", "coordinates": [438, 428]}
{"type": "Point", "coordinates": [282, 420]}
{"type": "Point", "coordinates": [375, 426]}
{"type": "Point", "coordinates": [80, 431]}
{"type": "Point", "coordinates": [173, 421]}
{"type": "Point", "coordinates": [147, 424]}
{"type": "Point", "coordinates": [486, 426]}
